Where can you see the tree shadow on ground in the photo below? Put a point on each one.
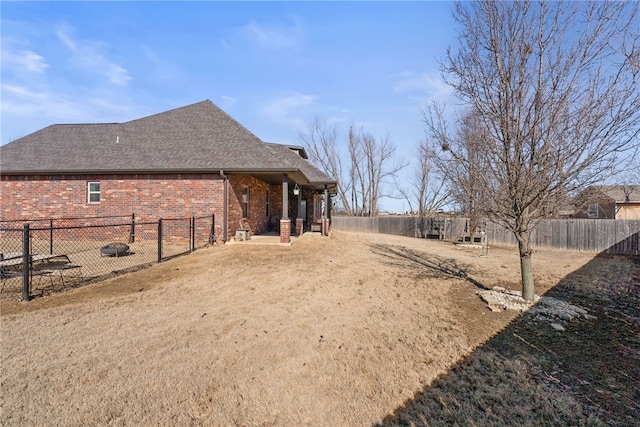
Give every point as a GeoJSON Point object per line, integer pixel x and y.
{"type": "Point", "coordinates": [429, 265]}
{"type": "Point", "coordinates": [535, 375]}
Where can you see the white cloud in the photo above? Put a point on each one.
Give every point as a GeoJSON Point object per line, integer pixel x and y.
{"type": "Point", "coordinates": [229, 100]}
{"type": "Point", "coordinates": [22, 102]}
{"type": "Point", "coordinates": [273, 36]}
{"type": "Point", "coordinates": [289, 108]}
{"type": "Point", "coordinates": [421, 85]}
{"type": "Point", "coordinates": [20, 91]}
{"type": "Point", "coordinates": [24, 60]}
{"type": "Point", "coordinates": [32, 103]}
{"type": "Point", "coordinates": [67, 40]}
{"type": "Point", "coordinates": [26, 109]}
{"type": "Point", "coordinates": [88, 54]}
{"type": "Point", "coordinates": [116, 74]}
{"type": "Point", "coordinates": [160, 68]}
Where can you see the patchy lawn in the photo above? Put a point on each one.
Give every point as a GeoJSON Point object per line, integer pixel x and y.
{"type": "Point", "coordinates": [356, 329]}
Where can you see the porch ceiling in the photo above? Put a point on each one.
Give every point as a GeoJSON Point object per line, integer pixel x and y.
{"type": "Point", "coordinates": [275, 178]}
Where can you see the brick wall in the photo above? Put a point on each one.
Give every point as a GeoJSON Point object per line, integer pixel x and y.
{"type": "Point", "coordinates": [258, 218]}
{"type": "Point", "coordinates": [258, 215]}
{"type": "Point", "coordinates": [148, 196]}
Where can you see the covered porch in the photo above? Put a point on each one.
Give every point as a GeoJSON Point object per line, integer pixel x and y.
{"type": "Point", "coordinates": [304, 206]}
{"type": "Point", "coordinates": [288, 200]}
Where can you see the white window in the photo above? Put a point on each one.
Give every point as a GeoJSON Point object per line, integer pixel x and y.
{"type": "Point", "coordinates": [593, 210]}
{"type": "Point", "coordinates": [93, 192]}
{"type": "Point", "coordinates": [245, 202]}
{"type": "Point", "coordinates": [268, 203]}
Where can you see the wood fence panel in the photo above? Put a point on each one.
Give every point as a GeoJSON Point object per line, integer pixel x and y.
{"type": "Point", "coordinates": [612, 236]}
{"type": "Point", "coordinates": [498, 235]}
{"type": "Point", "coordinates": [399, 226]}
{"type": "Point", "coordinates": [350, 223]}
{"type": "Point", "coordinates": [577, 235]}
{"type": "Point", "coordinates": [457, 229]}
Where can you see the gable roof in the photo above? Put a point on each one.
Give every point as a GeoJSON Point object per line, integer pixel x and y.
{"type": "Point", "coordinates": [619, 193]}
{"type": "Point", "coordinates": [294, 157]}
{"type": "Point", "coordinates": [195, 138]}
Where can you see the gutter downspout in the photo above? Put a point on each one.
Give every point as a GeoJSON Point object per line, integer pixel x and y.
{"type": "Point", "coordinates": [225, 191]}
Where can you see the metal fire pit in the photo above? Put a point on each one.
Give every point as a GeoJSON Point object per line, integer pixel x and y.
{"type": "Point", "coordinates": [115, 249]}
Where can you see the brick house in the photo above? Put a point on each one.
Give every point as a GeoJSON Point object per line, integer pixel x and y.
{"type": "Point", "coordinates": [193, 160]}
{"type": "Point", "coordinates": [609, 202]}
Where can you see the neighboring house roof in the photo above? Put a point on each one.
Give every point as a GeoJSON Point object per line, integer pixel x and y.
{"type": "Point", "coordinates": [195, 138]}
{"type": "Point", "coordinates": [619, 193]}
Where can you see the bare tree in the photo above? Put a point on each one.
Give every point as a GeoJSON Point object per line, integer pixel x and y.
{"type": "Point", "coordinates": [370, 165]}
{"type": "Point", "coordinates": [427, 188]}
{"type": "Point", "coordinates": [321, 142]}
{"type": "Point", "coordinates": [554, 92]}
{"type": "Point", "coordinates": [630, 183]}
{"type": "Point", "coordinates": [461, 175]}
{"type": "Point", "coordinates": [380, 167]}
{"type": "Point", "coordinates": [356, 174]}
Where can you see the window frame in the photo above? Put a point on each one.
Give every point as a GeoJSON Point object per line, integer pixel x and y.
{"type": "Point", "coordinates": [245, 201]}
{"type": "Point", "coordinates": [93, 192]}
{"type": "Point", "coordinates": [593, 210]}
{"type": "Point", "coordinates": [268, 203]}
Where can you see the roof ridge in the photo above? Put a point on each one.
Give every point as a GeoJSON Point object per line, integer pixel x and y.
{"type": "Point", "coordinates": [197, 137]}
{"type": "Point", "coordinates": [619, 192]}
{"type": "Point", "coordinates": [84, 124]}
{"type": "Point", "coordinates": [206, 102]}
{"type": "Point", "coordinates": [234, 120]}
{"type": "Point", "coordinates": [173, 110]}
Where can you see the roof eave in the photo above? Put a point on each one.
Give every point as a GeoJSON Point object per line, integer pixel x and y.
{"type": "Point", "coordinates": [147, 171]}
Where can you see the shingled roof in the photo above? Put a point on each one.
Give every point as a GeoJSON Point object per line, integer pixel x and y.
{"type": "Point", "coordinates": [620, 193]}
{"type": "Point", "coordinates": [292, 157]}
{"type": "Point", "coordinates": [195, 138]}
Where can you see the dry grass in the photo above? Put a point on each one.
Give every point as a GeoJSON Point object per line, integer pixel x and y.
{"type": "Point", "coordinates": [340, 331]}
{"type": "Point", "coordinates": [531, 374]}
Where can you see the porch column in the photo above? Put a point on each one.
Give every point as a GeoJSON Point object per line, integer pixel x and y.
{"type": "Point", "coordinates": [299, 215]}
{"type": "Point", "coordinates": [285, 222]}
{"type": "Point", "coordinates": [325, 214]}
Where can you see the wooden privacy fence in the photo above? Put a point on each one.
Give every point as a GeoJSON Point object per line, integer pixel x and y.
{"type": "Point", "coordinates": [422, 227]}
{"type": "Point", "coordinates": [620, 237]}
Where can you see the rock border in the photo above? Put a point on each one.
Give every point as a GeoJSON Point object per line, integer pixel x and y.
{"type": "Point", "coordinates": [544, 308]}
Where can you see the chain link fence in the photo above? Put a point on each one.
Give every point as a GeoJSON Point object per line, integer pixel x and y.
{"type": "Point", "coordinates": [39, 257]}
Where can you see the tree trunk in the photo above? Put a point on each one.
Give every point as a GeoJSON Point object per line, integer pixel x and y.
{"type": "Point", "coordinates": [473, 224]}
{"type": "Point", "coordinates": [526, 271]}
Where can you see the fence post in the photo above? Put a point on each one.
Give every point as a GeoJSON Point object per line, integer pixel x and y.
{"type": "Point", "coordinates": [160, 240]}
{"type": "Point", "coordinates": [26, 263]}
{"type": "Point", "coordinates": [51, 236]}
{"type": "Point", "coordinates": [132, 235]}
{"type": "Point", "coordinates": [193, 233]}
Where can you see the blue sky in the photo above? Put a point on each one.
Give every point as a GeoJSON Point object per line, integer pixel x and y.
{"type": "Point", "coordinates": [273, 66]}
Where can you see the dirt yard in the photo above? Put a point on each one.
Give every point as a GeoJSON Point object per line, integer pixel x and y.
{"type": "Point", "coordinates": [337, 331]}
